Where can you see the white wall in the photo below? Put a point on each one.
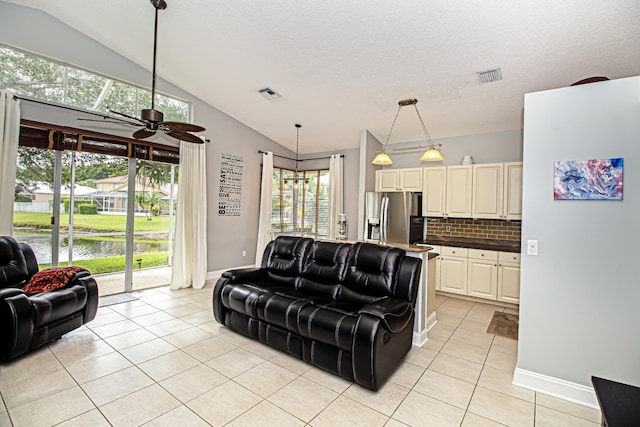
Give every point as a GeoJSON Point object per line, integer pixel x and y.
{"type": "Point", "coordinates": [580, 297]}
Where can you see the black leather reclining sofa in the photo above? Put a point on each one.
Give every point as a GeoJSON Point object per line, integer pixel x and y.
{"type": "Point", "coordinates": [30, 321]}
{"type": "Point", "coordinates": [346, 308]}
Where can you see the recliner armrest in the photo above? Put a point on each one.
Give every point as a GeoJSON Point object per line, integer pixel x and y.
{"type": "Point", "coordinates": [17, 323]}
{"type": "Point", "coordinates": [243, 275]}
{"type": "Point", "coordinates": [394, 313]}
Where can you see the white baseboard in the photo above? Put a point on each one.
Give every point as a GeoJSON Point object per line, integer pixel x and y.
{"type": "Point", "coordinates": [420, 338]}
{"type": "Point", "coordinates": [556, 387]}
{"type": "Point", "coordinates": [432, 320]}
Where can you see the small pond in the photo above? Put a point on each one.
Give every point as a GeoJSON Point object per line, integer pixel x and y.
{"type": "Point", "coordinates": [90, 248]}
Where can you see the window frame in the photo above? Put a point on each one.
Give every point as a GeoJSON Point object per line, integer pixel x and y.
{"type": "Point", "coordinates": [299, 203]}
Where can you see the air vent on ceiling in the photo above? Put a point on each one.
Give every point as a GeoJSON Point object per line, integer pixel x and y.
{"type": "Point", "coordinates": [269, 93]}
{"type": "Point", "coordinates": [489, 76]}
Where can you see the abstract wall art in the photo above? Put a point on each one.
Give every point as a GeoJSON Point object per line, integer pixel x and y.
{"type": "Point", "coordinates": [599, 179]}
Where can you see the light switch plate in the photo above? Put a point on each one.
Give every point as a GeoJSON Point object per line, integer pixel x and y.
{"type": "Point", "coordinates": [532, 247]}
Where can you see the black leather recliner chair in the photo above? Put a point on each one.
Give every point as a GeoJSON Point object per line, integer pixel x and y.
{"type": "Point", "coordinates": [30, 321]}
{"type": "Point", "coordinates": [346, 308]}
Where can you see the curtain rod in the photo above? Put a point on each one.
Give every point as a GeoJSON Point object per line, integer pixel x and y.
{"type": "Point", "coordinates": [79, 110]}
{"type": "Point", "coordinates": [300, 160]}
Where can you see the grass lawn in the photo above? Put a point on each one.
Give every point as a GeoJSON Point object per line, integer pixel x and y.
{"type": "Point", "coordinates": [94, 223]}
{"type": "Point", "coordinates": [116, 263]}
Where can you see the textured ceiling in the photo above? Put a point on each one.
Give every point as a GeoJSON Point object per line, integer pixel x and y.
{"type": "Point", "coordinates": [341, 66]}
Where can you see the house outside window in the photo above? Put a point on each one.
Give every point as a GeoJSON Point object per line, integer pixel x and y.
{"type": "Point", "coordinates": [301, 209]}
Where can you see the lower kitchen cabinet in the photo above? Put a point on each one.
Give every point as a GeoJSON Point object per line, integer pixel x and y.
{"type": "Point", "coordinates": [478, 273]}
{"type": "Point", "coordinates": [483, 274]}
{"type": "Point", "coordinates": [453, 270]}
{"type": "Point", "coordinates": [509, 278]}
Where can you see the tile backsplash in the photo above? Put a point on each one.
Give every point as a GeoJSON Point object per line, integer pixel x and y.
{"type": "Point", "coordinates": [477, 228]}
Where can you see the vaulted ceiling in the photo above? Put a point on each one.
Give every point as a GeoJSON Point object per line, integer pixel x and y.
{"type": "Point", "coordinates": [342, 66]}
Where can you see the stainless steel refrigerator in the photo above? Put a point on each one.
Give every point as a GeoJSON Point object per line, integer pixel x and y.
{"type": "Point", "coordinates": [394, 217]}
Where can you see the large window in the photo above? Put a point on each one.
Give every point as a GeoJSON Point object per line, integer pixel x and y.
{"type": "Point", "coordinates": [300, 208]}
{"type": "Point", "coordinates": [42, 78]}
{"type": "Point", "coordinates": [73, 202]}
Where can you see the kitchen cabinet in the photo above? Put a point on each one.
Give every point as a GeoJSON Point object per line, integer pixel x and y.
{"type": "Point", "coordinates": [512, 196]}
{"type": "Point", "coordinates": [459, 190]}
{"type": "Point", "coordinates": [479, 273]}
{"type": "Point", "coordinates": [438, 250]}
{"type": "Point", "coordinates": [488, 190]}
{"type": "Point", "coordinates": [447, 191]}
{"type": "Point", "coordinates": [434, 191]}
{"type": "Point", "coordinates": [497, 190]}
{"type": "Point", "coordinates": [392, 180]}
{"type": "Point", "coordinates": [508, 277]}
{"type": "Point", "coordinates": [453, 270]}
{"type": "Point", "coordinates": [483, 274]}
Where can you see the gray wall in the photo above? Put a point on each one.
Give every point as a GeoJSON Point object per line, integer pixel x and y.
{"type": "Point", "coordinates": [579, 311]}
{"type": "Point", "coordinates": [369, 144]}
{"type": "Point", "coordinates": [484, 148]}
{"type": "Point", "coordinates": [33, 30]}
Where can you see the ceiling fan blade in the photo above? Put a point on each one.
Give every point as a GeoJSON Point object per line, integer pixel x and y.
{"type": "Point", "coordinates": [184, 127]}
{"type": "Point", "coordinates": [143, 133]}
{"type": "Point", "coordinates": [127, 116]}
{"type": "Point", "coordinates": [184, 136]}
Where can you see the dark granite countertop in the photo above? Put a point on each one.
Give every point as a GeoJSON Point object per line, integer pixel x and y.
{"type": "Point", "coordinates": [473, 243]}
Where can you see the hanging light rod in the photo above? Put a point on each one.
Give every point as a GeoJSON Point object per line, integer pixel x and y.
{"type": "Point", "coordinates": [432, 154]}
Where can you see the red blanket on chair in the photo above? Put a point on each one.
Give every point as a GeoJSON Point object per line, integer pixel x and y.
{"type": "Point", "coordinates": [50, 279]}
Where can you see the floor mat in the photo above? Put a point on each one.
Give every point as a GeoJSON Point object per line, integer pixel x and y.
{"type": "Point", "coordinates": [504, 325]}
{"type": "Point", "coordinates": [116, 299]}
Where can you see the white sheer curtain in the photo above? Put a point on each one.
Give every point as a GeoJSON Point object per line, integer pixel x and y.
{"type": "Point", "coordinates": [336, 190]}
{"type": "Point", "coordinates": [265, 232]}
{"type": "Point", "coordinates": [9, 135]}
{"type": "Point", "coordinates": [190, 247]}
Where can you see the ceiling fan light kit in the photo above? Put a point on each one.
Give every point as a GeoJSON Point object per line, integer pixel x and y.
{"type": "Point", "coordinates": [431, 155]}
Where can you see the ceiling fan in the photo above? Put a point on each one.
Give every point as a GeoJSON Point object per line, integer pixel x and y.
{"type": "Point", "coordinates": [151, 119]}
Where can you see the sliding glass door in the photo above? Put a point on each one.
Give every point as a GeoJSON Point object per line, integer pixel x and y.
{"type": "Point", "coordinates": [155, 195]}
{"type": "Point", "coordinates": [80, 209]}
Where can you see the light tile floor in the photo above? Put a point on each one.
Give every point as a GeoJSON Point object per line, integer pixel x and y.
{"type": "Point", "coordinates": [162, 360]}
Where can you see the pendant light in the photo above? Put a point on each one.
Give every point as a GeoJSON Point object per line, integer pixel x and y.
{"type": "Point", "coordinates": [431, 155]}
{"type": "Point", "coordinates": [297, 179]}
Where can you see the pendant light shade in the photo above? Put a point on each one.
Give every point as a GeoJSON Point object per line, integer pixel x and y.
{"type": "Point", "coordinates": [431, 155]}
{"type": "Point", "coordinates": [382, 158]}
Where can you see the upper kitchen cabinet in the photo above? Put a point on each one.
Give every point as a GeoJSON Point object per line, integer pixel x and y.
{"type": "Point", "coordinates": [497, 190]}
{"type": "Point", "coordinates": [512, 198]}
{"type": "Point", "coordinates": [487, 190]}
{"type": "Point", "coordinates": [459, 191]}
{"type": "Point", "coordinates": [447, 191]}
{"type": "Point", "coordinates": [391, 180]}
{"type": "Point", "coordinates": [434, 193]}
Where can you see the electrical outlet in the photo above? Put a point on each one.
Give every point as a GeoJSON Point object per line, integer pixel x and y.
{"type": "Point", "coordinates": [532, 247]}
{"type": "Point", "coordinates": [448, 229]}
{"type": "Point", "coordinates": [244, 253]}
